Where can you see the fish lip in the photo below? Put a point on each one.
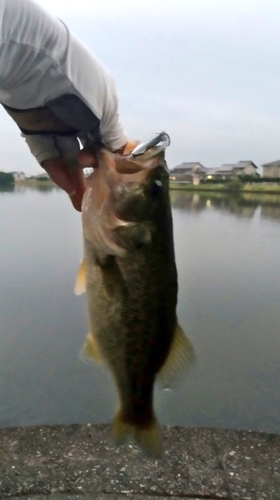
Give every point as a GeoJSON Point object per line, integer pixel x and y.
{"type": "Point", "coordinates": [147, 155]}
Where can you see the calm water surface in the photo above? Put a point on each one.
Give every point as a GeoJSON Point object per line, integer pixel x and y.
{"type": "Point", "coordinates": [227, 251]}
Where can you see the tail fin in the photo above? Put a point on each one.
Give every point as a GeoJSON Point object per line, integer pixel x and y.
{"type": "Point", "coordinates": [147, 435]}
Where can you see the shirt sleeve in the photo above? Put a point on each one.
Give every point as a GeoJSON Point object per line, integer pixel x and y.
{"type": "Point", "coordinates": [41, 61]}
{"type": "Point", "coordinates": [112, 132]}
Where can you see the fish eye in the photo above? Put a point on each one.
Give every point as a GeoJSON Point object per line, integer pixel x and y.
{"type": "Point", "coordinates": [156, 188]}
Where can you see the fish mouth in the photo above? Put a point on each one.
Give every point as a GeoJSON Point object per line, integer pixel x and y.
{"type": "Point", "coordinates": [107, 212]}
{"type": "Point", "coordinates": [128, 167]}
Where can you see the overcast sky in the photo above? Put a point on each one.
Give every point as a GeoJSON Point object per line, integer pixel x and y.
{"type": "Point", "coordinates": [205, 71]}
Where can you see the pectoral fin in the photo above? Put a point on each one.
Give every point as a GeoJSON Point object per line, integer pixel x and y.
{"type": "Point", "coordinates": [179, 360]}
{"type": "Point", "coordinates": [90, 350]}
{"type": "Point", "coordinates": [80, 285]}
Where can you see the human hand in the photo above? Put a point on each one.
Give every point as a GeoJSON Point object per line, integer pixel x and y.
{"type": "Point", "coordinates": [87, 158]}
{"type": "Point", "coordinates": [73, 182]}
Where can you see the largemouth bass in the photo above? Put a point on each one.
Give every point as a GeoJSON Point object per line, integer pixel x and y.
{"type": "Point", "coordinates": [130, 279]}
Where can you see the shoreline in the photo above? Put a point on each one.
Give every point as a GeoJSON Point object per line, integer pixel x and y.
{"type": "Point", "coordinates": [266, 188]}
{"type": "Point", "coordinates": [35, 182]}
{"type": "Point", "coordinates": [78, 461]}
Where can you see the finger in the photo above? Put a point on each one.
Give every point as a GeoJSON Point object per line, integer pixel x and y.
{"type": "Point", "coordinates": [78, 179]}
{"type": "Point", "coordinates": [87, 158]}
{"type": "Point", "coordinates": [127, 147]}
{"type": "Point", "coordinates": [72, 182]}
{"type": "Point", "coordinates": [58, 173]}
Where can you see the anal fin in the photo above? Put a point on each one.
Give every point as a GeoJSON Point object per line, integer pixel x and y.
{"type": "Point", "coordinates": [179, 360]}
{"type": "Point", "coordinates": [90, 350]}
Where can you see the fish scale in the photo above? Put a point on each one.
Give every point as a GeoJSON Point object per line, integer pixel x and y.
{"type": "Point", "coordinates": [130, 280]}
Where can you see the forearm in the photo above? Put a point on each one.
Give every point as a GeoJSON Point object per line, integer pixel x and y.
{"type": "Point", "coordinates": [46, 147]}
{"type": "Point", "coordinates": [42, 147]}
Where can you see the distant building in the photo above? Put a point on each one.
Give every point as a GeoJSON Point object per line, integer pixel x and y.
{"type": "Point", "coordinates": [211, 174]}
{"type": "Point", "coordinates": [246, 168]}
{"type": "Point", "coordinates": [232, 170]}
{"type": "Point", "coordinates": [44, 175]}
{"type": "Point", "coordinates": [188, 172]}
{"type": "Point", "coordinates": [271, 169]}
{"type": "Point", "coordinates": [18, 176]}
{"type": "Point", "coordinates": [40, 177]}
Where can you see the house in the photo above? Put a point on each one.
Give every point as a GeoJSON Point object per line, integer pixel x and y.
{"type": "Point", "coordinates": [246, 168]}
{"type": "Point", "coordinates": [188, 172]}
{"type": "Point", "coordinates": [211, 174]}
{"type": "Point", "coordinates": [223, 173]}
{"type": "Point", "coordinates": [271, 169]}
{"type": "Point", "coordinates": [18, 176]}
{"type": "Point", "coordinates": [232, 170]}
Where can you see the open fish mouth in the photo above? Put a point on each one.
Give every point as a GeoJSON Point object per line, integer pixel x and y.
{"type": "Point", "coordinates": [100, 217]}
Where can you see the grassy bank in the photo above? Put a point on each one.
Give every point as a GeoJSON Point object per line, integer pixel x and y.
{"type": "Point", "coordinates": [270, 188]}
{"type": "Point", "coordinates": [267, 188]}
{"type": "Point", "coordinates": [200, 187]}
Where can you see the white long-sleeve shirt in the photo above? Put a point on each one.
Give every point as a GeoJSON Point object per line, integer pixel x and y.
{"type": "Point", "coordinates": [43, 65]}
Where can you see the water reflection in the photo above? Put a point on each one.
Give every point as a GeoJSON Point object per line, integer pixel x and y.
{"type": "Point", "coordinates": [21, 187]}
{"type": "Point", "coordinates": [270, 212]}
{"type": "Point", "coordinates": [227, 252]}
{"type": "Point", "coordinates": [7, 188]}
{"type": "Point", "coordinates": [24, 187]}
{"type": "Point", "coordinates": [240, 204]}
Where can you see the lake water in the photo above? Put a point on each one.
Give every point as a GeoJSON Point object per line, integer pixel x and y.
{"type": "Point", "coordinates": [228, 258]}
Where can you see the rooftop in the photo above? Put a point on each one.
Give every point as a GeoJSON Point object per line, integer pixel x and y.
{"type": "Point", "coordinates": [186, 166]}
{"type": "Point", "coordinates": [272, 164]}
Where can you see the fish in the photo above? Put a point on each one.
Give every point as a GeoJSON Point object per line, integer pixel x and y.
{"type": "Point", "coordinates": [129, 276]}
